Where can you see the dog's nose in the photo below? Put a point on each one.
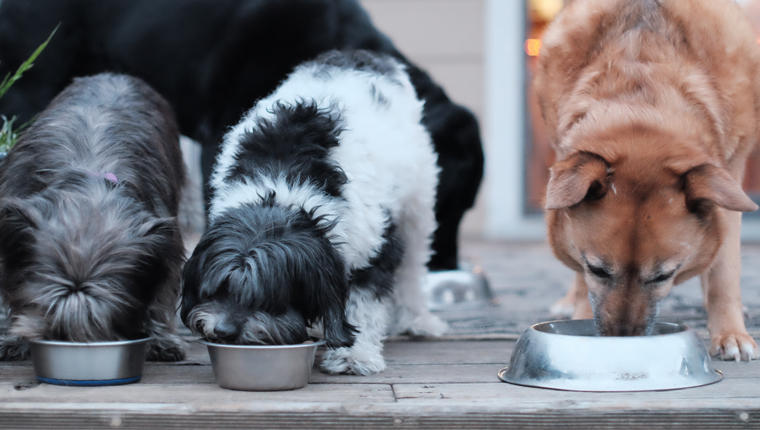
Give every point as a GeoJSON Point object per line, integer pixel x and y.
{"type": "Point", "coordinates": [226, 331]}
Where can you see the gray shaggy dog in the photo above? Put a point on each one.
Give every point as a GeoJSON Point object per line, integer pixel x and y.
{"type": "Point", "coordinates": [90, 248]}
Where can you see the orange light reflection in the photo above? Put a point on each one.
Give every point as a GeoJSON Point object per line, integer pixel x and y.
{"type": "Point", "coordinates": [532, 47]}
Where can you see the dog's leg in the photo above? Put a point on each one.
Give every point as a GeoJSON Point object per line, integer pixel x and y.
{"type": "Point", "coordinates": [370, 317]}
{"type": "Point", "coordinates": [411, 312]}
{"type": "Point", "coordinates": [725, 321]}
{"type": "Point", "coordinates": [415, 226]}
{"type": "Point", "coordinates": [564, 307]}
{"type": "Point", "coordinates": [165, 344]}
{"type": "Point", "coordinates": [583, 309]}
{"type": "Point", "coordinates": [13, 348]}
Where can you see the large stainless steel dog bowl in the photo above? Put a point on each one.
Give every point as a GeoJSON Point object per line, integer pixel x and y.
{"type": "Point", "coordinates": [567, 355]}
{"type": "Point", "coordinates": [97, 363]}
{"type": "Point", "coordinates": [262, 367]}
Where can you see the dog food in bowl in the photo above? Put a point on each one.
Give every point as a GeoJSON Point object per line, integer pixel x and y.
{"type": "Point", "coordinates": [567, 355]}
{"type": "Point", "coordinates": [88, 364]}
{"type": "Point", "coordinates": [262, 367]}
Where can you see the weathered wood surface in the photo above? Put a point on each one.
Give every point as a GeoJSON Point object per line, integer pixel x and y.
{"type": "Point", "coordinates": [428, 384]}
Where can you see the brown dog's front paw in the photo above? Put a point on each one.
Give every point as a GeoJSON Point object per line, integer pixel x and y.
{"type": "Point", "coordinates": [739, 347]}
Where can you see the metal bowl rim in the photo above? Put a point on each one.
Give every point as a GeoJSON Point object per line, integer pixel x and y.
{"type": "Point", "coordinates": [684, 327]}
{"type": "Point", "coordinates": [88, 344]}
{"type": "Point", "coordinates": [261, 347]}
{"type": "Point", "coordinates": [501, 373]}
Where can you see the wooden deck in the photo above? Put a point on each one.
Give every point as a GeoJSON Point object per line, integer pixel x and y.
{"type": "Point", "coordinates": [449, 383]}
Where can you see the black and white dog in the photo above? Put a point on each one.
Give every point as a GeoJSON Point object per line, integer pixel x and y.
{"type": "Point", "coordinates": [322, 212]}
{"type": "Point", "coordinates": [90, 249]}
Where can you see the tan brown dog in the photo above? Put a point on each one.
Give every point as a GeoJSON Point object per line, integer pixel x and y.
{"type": "Point", "coordinates": [652, 109]}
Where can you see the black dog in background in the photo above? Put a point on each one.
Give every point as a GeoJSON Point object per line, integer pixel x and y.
{"type": "Point", "coordinates": [90, 248]}
{"type": "Point", "coordinates": [212, 59]}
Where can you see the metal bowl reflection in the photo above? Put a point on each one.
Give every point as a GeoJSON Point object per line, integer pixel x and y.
{"type": "Point", "coordinates": [567, 355]}
{"type": "Point", "coordinates": [262, 367]}
{"type": "Point", "coordinates": [95, 363]}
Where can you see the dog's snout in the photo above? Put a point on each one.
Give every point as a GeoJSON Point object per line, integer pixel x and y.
{"type": "Point", "coordinates": [627, 330]}
{"type": "Point", "coordinates": [622, 328]}
{"type": "Point", "coordinates": [226, 331]}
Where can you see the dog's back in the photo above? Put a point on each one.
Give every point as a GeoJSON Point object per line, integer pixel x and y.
{"type": "Point", "coordinates": [366, 104]}
{"type": "Point", "coordinates": [105, 124]}
{"type": "Point", "coordinates": [701, 51]}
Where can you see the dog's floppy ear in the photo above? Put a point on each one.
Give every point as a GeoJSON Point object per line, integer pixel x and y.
{"type": "Point", "coordinates": [191, 281]}
{"type": "Point", "coordinates": [17, 225]}
{"type": "Point", "coordinates": [15, 213]}
{"type": "Point", "coordinates": [710, 183]}
{"type": "Point", "coordinates": [163, 227]}
{"type": "Point", "coordinates": [581, 176]}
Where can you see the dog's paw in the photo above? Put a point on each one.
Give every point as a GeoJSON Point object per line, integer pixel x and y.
{"type": "Point", "coordinates": [425, 324]}
{"type": "Point", "coordinates": [166, 348]}
{"type": "Point", "coordinates": [347, 360]}
{"type": "Point", "coordinates": [13, 348]}
{"type": "Point", "coordinates": [738, 347]}
{"type": "Point", "coordinates": [428, 325]}
{"type": "Point", "coordinates": [563, 309]}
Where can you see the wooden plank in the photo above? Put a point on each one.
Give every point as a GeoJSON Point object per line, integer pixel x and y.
{"type": "Point", "coordinates": [436, 352]}
{"type": "Point", "coordinates": [394, 374]}
{"type": "Point", "coordinates": [729, 390]}
{"type": "Point", "coordinates": [417, 373]}
{"type": "Point", "coordinates": [381, 417]}
{"type": "Point", "coordinates": [207, 394]}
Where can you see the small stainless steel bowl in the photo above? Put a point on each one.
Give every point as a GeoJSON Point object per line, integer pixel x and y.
{"type": "Point", "coordinates": [567, 355]}
{"type": "Point", "coordinates": [262, 367]}
{"type": "Point", "coordinates": [96, 363]}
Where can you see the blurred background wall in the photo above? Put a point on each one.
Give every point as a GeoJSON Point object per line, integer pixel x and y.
{"type": "Point", "coordinates": [447, 38]}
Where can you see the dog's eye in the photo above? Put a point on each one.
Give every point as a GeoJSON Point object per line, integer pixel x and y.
{"type": "Point", "coordinates": [661, 278]}
{"type": "Point", "coordinates": [600, 272]}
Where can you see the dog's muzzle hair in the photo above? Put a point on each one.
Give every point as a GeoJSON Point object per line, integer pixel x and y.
{"type": "Point", "coordinates": [261, 276]}
{"type": "Point", "coordinates": [223, 323]}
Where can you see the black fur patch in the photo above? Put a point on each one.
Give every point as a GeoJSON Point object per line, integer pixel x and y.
{"type": "Point", "coordinates": [360, 60]}
{"type": "Point", "coordinates": [294, 145]}
{"type": "Point", "coordinates": [380, 275]}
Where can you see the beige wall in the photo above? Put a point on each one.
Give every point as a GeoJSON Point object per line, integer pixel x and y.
{"type": "Point", "coordinates": [446, 38]}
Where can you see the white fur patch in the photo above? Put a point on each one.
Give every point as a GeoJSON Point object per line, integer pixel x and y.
{"type": "Point", "coordinates": [370, 316]}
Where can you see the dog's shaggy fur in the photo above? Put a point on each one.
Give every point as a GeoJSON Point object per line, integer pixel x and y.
{"type": "Point", "coordinates": [652, 107]}
{"type": "Point", "coordinates": [213, 59]}
{"type": "Point", "coordinates": [322, 212]}
{"type": "Point", "coordinates": [90, 249]}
